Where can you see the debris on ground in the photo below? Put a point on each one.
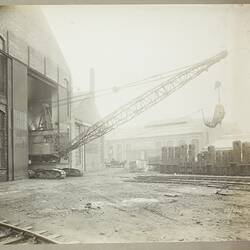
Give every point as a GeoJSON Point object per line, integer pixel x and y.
{"type": "Point", "coordinates": [92, 206]}
{"type": "Point", "coordinates": [198, 222]}
{"type": "Point", "coordinates": [88, 205]}
{"type": "Point", "coordinates": [171, 195]}
{"type": "Point", "coordinates": [219, 193]}
{"type": "Point", "coordinates": [172, 201]}
{"type": "Point", "coordinates": [101, 202]}
{"type": "Point", "coordinates": [222, 192]}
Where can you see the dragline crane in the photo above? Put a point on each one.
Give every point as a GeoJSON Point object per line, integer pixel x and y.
{"type": "Point", "coordinates": [133, 108]}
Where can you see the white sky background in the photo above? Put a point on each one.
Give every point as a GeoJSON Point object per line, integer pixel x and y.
{"type": "Point", "coordinates": [125, 43]}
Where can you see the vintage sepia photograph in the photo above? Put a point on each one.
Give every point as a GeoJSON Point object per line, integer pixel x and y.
{"type": "Point", "coordinates": [124, 123]}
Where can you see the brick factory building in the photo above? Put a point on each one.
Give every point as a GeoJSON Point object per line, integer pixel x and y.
{"type": "Point", "coordinates": [33, 72]}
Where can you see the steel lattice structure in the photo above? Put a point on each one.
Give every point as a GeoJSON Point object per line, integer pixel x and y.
{"type": "Point", "coordinates": [142, 103]}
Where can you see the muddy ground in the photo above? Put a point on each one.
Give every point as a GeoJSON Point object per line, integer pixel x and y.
{"type": "Point", "coordinates": [104, 207]}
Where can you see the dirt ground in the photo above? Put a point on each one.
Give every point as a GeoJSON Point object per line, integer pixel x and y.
{"type": "Point", "coordinates": [103, 207]}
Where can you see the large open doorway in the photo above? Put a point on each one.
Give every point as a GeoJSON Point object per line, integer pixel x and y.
{"type": "Point", "coordinates": [42, 118]}
{"type": "Point", "coordinates": [39, 94]}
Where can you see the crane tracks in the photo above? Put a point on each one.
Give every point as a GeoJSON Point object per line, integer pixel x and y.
{"type": "Point", "coordinates": [17, 233]}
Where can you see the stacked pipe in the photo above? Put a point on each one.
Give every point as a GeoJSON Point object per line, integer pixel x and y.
{"type": "Point", "coordinates": [182, 160]}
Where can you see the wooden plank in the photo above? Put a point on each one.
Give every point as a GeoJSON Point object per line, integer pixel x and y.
{"type": "Point", "coordinates": [3, 221]}
{"type": "Point", "coordinates": [54, 236]}
{"type": "Point", "coordinates": [29, 233]}
{"type": "Point", "coordinates": [11, 240]}
{"type": "Point", "coordinates": [41, 232]}
{"type": "Point", "coordinates": [16, 224]}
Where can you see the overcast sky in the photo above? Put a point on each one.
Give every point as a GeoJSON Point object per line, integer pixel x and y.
{"type": "Point", "coordinates": [128, 43]}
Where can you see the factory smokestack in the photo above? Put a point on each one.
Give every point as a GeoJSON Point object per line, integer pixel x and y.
{"type": "Point", "coordinates": [92, 81]}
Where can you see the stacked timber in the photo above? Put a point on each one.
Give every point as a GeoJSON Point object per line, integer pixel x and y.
{"type": "Point", "coordinates": [219, 163]}
{"type": "Point", "coordinates": [236, 151]}
{"type": "Point", "coordinates": [192, 168]}
{"type": "Point", "coordinates": [198, 164]}
{"type": "Point", "coordinates": [245, 157]}
{"type": "Point", "coordinates": [211, 166]}
{"type": "Point", "coordinates": [184, 157]}
{"type": "Point", "coordinates": [246, 152]}
{"type": "Point", "coordinates": [191, 153]}
{"type": "Point", "coordinates": [182, 160]}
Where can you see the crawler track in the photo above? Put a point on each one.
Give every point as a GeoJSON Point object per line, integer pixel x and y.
{"type": "Point", "coordinates": [15, 234]}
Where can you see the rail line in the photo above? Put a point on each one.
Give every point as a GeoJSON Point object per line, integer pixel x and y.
{"type": "Point", "coordinates": [11, 234]}
{"type": "Point", "coordinates": [236, 183]}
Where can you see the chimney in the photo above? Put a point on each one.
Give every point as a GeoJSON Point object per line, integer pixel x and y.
{"type": "Point", "coordinates": [92, 81]}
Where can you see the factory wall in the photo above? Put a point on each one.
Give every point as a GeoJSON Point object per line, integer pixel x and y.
{"type": "Point", "coordinates": [132, 149]}
{"type": "Point", "coordinates": [19, 118]}
{"type": "Point", "coordinates": [78, 155]}
{"type": "Point", "coordinates": [38, 69]}
{"type": "Point", "coordinates": [146, 142]}
{"type": "Point", "coordinates": [84, 114]}
{"type": "Point", "coordinates": [3, 110]}
{"type": "Point", "coordinates": [31, 66]}
{"type": "Point", "coordinates": [14, 130]}
{"type": "Point", "coordinates": [18, 110]}
{"type": "Point", "coordinates": [89, 157]}
{"type": "Point", "coordinates": [94, 154]}
{"type": "Point", "coordinates": [27, 26]}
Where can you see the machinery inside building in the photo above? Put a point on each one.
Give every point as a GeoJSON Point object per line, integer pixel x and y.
{"type": "Point", "coordinates": [41, 118]}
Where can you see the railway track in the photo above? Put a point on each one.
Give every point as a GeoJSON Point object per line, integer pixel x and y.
{"type": "Point", "coordinates": [11, 234]}
{"type": "Point", "coordinates": [239, 183]}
